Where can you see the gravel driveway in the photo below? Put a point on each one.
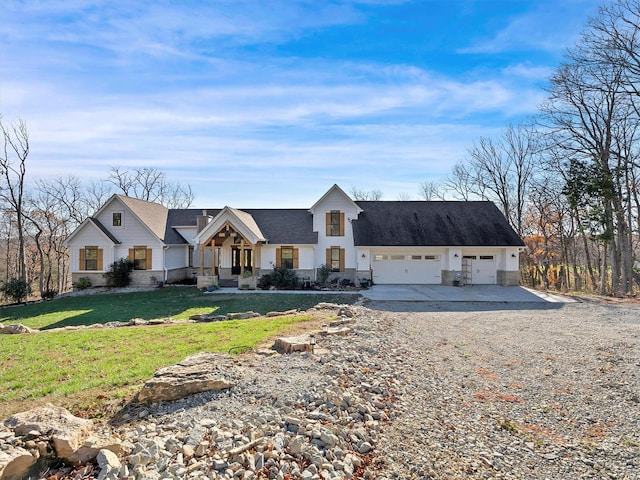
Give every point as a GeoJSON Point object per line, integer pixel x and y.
{"type": "Point", "coordinates": [454, 391]}
{"type": "Point", "coordinates": [547, 392]}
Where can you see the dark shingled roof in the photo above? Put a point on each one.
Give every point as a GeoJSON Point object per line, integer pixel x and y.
{"type": "Point", "coordinates": [280, 226]}
{"type": "Point", "coordinates": [458, 224]}
{"type": "Point", "coordinates": [285, 226]}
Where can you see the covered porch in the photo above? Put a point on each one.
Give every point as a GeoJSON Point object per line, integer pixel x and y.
{"type": "Point", "coordinates": [233, 241]}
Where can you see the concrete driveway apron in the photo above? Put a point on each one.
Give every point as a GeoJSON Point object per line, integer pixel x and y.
{"type": "Point", "coordinates": [475, 293]}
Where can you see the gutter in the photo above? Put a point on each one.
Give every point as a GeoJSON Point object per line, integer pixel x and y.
{"type": "Point", "coordinates": [164, 262]}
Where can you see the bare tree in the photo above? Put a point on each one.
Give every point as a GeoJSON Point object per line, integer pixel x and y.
{"type": "Point", "coordinates": [462, 183]}
{"type": "Point", "coordinates": [404, 197]}
{"type": "Point", "coordinates": [151, 184]}
{"type": "Point", "coordinates": [13, 170]}
{"type": "Point", "coordinates": [502, 170]}
{"type": "Point", "coordinates": [592, 118]}
{"type": "Point", "coordinates": [430, 190]}
{"type": "Point", "coordinates": [359, 194]}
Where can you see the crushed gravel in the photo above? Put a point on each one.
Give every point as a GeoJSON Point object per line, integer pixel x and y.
{"type": "Point", "coordinates": [415, 391]}
{"type": "Point", "coordinates": [516, 392]}
{"type": "Point", "coordinates": [512, 391]}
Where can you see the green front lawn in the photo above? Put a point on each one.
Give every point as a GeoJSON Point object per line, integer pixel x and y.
{"type": "Point", "coordinates": [91, 370]}
{"type": "Point", "coordinates": [175, 302]}
{"type": "Point", "coordinates": [78, 369]}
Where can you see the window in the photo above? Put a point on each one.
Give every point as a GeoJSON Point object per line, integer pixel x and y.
{"type": "Point", "coordinates": [416, 257]}
{"type": "Point", "coordinates": [397, 257]}
{"type": "Point", "coordinates": [432, 257]}
{"type": "Point", "coordinates": [335, 259]}
{"type": "Point", "coordinates": [141, 257]}
{"type": "Point", "coordinates": [117, 219]}
{"type": "Point", "coordinates": [287, 257]}
{"type": "Point", "coordinates": [486, 257]}
{"type": "Point", "coordinates": [91, 257]}
{"type": "Point", "coordinates": [377, 258]}
{"type": "Point", "coordinates": [335, 223]}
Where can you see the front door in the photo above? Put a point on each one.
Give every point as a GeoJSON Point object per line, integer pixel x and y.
{"type": "Point", "coordinates": [238, 257]}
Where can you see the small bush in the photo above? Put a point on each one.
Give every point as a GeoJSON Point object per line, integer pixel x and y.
{"type": "Point", "coordinates": [284, 279]}
{"type": "Point", "coordinates": [323, 273]}
{"type": "Point", "coordinates": [16, 289]}
{"type": "Point", "coordinates": [48, 294]}
{"type": "Point", "coordinates": [119, 274]}
{"type": "Point", "coordinates": [265, 282]}
{"type": "Point", "coordinates": [83, 283]}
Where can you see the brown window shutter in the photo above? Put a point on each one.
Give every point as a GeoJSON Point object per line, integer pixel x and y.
{"type": "Point", "coordinates": [100, 256]}
{"type": "Point", "coordinates": [278, 257]}
{"type": "Point", "coordinates": [328, 223]}
{"type": "Point", "coordinates": [342, 259]}
{"type": "Point", "coordinates": [149, 262]}
{"type": "Point", "coordinates": [82, 265]}
{"type": "Point", "coordinates": [131, 255]}
{"type": "Point", "coordinates": [295, 258]}
{"type": "Point", "coordinates": [342, 224]}
{"type": "Point", "coordinates": [328, 263]}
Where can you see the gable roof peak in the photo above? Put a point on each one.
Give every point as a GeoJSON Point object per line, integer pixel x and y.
{"type": "Point", "coordinates": [336, 189]}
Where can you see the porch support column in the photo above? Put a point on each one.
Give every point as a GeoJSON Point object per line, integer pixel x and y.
{"type": "Point", "coordinates": [213, 258]}
{"type": "Point", "coordinates": [201, 248]}
{"type": "Point", "coordinates": [242, 258]}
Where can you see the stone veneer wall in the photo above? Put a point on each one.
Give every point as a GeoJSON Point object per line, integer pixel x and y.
{"type": "Point", "coordinates": [508, 278]}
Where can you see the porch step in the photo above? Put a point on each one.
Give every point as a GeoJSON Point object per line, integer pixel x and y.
{"type": "Point", "coordinates": [228, 283]}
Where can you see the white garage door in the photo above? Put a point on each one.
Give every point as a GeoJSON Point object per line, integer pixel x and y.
{"type": "Point", "coordinates": [482, 268]}
{"type": "Point", "coordinates": [406, 268]}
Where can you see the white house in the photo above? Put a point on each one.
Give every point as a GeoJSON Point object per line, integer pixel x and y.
{"type": "Point", "coordinates": [395, 242]}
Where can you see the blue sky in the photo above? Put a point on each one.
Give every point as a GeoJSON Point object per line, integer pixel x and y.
{"type": "Point", "coordinates": [269, 103]}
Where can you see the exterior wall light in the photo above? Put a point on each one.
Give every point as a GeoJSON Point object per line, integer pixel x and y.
{"type": "Point", "coordinates": [312, 342]}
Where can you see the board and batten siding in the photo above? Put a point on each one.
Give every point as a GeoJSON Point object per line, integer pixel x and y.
{"type": "Point", "coordinates": [335, 201]}
{"type": "Point", "coordinates": [90, 236]}
{"type": "Point", "coordinates": [175, 256]}
{"type": "Point", "coordinates": [306, 256]}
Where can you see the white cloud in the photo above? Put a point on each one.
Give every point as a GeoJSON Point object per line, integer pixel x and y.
{"type": "Point", "coordinates": [143, 84]}
{"type": "Point", "coordinates": [550, 26]}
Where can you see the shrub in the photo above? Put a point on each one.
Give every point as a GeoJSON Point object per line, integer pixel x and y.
{"type": "Point", "coordinates": [48, 294]}
{"type": "Point", "coordinates": [284, 279]}
{"type": "Point", "coordinates": [323, 273]}
{"type": "Point", "coordinates": [265, 282]}
{"type": "Point", "coordinates": [119, 274]}
{"type": "Point", "coordinates": [83, 283]}
{"type": "Point", "coordinates": [16, 289]}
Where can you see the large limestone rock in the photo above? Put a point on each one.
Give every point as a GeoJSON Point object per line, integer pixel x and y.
{"type": "Point", "coordinates": [94, 445]}
{"type": "Point", "coordinates": [15, 329]}
{"type": "Point", "coordinates": [15, 463]}
{"type": "Point", "coordinates": [301, 343]}
{"type": "Point", "coordinates": [67, 432]}
{"type": "Point", "coordinates": [198, 373]}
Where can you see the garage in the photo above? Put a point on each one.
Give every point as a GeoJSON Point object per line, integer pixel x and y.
{"type": "Point", "coordinates": [406, 268]}
{"type": "Point", "coordinates": [479, 269]}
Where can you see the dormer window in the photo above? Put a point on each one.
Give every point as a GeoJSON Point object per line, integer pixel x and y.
{"type": "Point", "coordinates": [117, 219]}
{"type": "Point", "coordinates": [335, 223]}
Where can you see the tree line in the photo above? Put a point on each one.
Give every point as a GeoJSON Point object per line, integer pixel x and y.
{"type": "Point", "coordinates": [36, 220]}
{"type": "Point", "coordinates": [568, 180]}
